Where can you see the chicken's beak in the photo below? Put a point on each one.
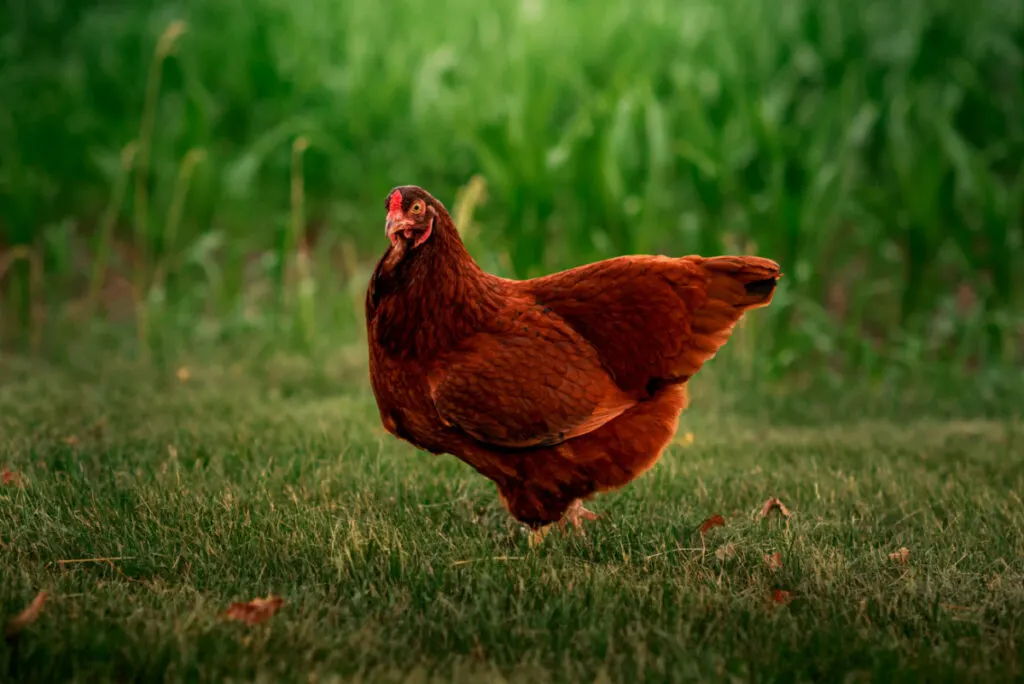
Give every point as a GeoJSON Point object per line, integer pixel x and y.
{"type": "Point", "coordinates": [394, 225]}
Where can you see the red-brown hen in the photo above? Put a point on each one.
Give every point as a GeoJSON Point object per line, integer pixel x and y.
{"type": "Point", "coordinates": [554, 388]}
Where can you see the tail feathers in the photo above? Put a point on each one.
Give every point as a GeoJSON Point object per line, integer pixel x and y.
{"type": "Point", "coordinates": [761, 288]}
{"type": "Point", "coordinates": [742, 282]}
{"type": "Point", "coordinates": [735, 285]}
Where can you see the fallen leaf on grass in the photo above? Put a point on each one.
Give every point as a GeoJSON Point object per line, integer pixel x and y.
{"type": "Point", "coordinates": [255, 612]}
{"type": "Point", "coordinates": [25, 617]}
{"type": "Point", "coordinates": [773, 560]}
{"type": "Point", "coordinates": [901, 555]}
{"type": "Point", "coordinates": [11, 478]}
{"type": "Point", "coordinates": [712, 522]}
{"type": "Point", "coordinates": [781, 596]}
{"type": "Point", "coordinates": [727, 551]}
{"type": "Point", "coordinates": [184, 374]}
{"type": "Point", "coordinates": [71, 440]}
{"type": "Point", "coordinates": [773, 503]}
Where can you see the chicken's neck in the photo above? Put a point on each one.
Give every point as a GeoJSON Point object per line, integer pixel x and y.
{"type": "Point", "coordinates": [432, 298]}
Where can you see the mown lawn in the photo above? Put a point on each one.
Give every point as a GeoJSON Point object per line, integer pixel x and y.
{"type": "Point", "coordinates": [226, 484]}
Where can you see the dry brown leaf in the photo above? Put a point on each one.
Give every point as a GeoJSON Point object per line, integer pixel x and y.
{"type": "Point", "coordinates": [772, 503]}
{"type": "Point", "coordinates": [11, 478]}
{"type": "Point", "coordinates": [901, 555]}
{"type": "Point", "coordinates": [727, 551]}
{"type": "Point", "coordinates": [712, 522]}
{"type": "Point", "coordinates": [773, 560]}
{"type": "Point", "coordinates": [184, 374]}
{"type": "Point", "coordinates": [71, 440]}
{"type": "Point", "coordinates": [255, 612]}
{"type": "Point", "coordinates": [25, 617]}
{"type": "Point", "coordinates": [781, 596]}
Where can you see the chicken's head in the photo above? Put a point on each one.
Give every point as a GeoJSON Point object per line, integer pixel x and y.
{"type": "Point", "coordinates": [411, 216]}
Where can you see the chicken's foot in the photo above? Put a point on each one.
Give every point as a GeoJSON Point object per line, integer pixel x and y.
{"type": "Point", "coordinates": [537, 535]}
{"type": "Point", "coordinates": [575, 515]}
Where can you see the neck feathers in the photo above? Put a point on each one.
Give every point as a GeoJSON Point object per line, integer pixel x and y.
{"type": "Point", "coordinates": [425, 300]}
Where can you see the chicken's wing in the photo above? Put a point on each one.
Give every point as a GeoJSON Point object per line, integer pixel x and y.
{"type": "Point", "coordinates": [532, 381]}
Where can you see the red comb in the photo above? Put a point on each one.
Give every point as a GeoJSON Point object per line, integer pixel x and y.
{"type": "Point", "coordinates": [395, 202]}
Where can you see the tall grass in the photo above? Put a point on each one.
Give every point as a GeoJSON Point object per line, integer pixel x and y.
{"type": "Point", "coordinates": [873, 148]}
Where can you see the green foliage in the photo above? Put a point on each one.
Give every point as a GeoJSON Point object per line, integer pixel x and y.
{"type": "Point", "coordinates": [873, 148]}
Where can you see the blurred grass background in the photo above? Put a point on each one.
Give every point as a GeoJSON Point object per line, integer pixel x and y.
{"type": "Point", "coordinates": [208, 171]}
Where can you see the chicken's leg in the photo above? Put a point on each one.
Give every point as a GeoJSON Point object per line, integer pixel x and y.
{"type": "Point", "coordinates": [537, 535]}
{"type": "Point", "coordinates": [575, 515]}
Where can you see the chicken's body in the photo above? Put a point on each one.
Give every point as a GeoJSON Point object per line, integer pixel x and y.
{"type": "Point", "coordinates": [554, 388]}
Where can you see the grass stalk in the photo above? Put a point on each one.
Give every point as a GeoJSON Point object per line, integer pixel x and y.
{"type": "Point", "coordinates": [174, 215]}
{"type": "Point", "coordinates": [104, 242]}
{"type": "Point", "coordinates": [140, 288]}
{"type": "Point", "coordinates": [305, 287]}
{"type": "Point", "coordinates": [468, 198]}
{"type": "Point", "coordinates": [35, 280]}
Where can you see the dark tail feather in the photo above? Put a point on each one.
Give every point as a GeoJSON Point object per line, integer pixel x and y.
{"type": "Point", "coordinates": [761, 287]}
{"type": "Point", "coordinates": [743, 282]}
{"type": "Point", "coordinates": [735, 285]}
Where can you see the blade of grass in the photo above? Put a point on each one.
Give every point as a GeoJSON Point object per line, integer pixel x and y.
{"type": "Point", "coordinates": [105, 239]}
{"type": "Point", "coordinates": [305, 287]}
{"type": "Point", "coordinates": [140, 286]}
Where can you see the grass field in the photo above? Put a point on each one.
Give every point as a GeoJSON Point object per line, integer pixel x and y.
{"type": "Point", "coordinates": [190, 206]}
{"type": "Point", "coordinates": [220, 483]}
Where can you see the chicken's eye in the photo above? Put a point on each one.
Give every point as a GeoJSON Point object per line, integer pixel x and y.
{"type": "Point", "coordinates": [417, 207]}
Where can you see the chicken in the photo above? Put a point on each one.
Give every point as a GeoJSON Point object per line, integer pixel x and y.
{"type": "Point", "coordinates": [554, 388]}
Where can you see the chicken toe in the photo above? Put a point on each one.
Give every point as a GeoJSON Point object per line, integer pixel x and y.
{"type": "Point", "coordinates": [575, 515]}
{"type": "Point", "coordinates": [537, 535]}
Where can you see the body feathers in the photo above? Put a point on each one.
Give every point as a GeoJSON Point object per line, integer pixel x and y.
{"type": "Point", "coordinates": [555, 387]}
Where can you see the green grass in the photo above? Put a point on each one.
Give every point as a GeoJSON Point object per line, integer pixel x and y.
{"type": "Point", "coordinates": [213, 173]}
{"type": "Point", "coordinates": [873, 149]}
{"type": "Point", "coordinates": [274, 476]}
